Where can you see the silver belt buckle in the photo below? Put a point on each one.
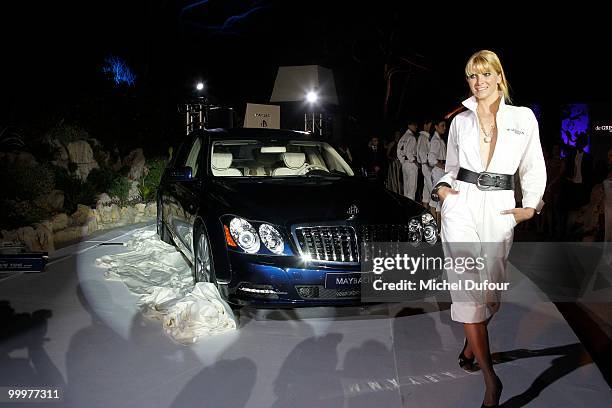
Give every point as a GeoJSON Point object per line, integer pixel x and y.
{"type": "Point", "coordinates": [479, 180]}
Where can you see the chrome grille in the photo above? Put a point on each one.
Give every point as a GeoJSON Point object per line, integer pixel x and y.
{"type": "Point", "coordinates": [384, 233]}
{"type": "Point", "coordinates": [341, 243]}
{"type": "Point", "coordinates": [328, 243]}
{"type": "Point", "coordinates": [390, 233]}
{"type": "Point", "coordinates": [319, 292]}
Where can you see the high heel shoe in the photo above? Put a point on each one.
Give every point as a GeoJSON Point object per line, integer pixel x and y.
{"type": "Point", "coordinates": [500, 387]}
{"type": "Point", "coordinates": [467, 364]}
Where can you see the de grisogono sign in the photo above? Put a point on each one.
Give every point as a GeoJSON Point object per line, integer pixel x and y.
{"type": "Point", "coordinates": [262, 116]}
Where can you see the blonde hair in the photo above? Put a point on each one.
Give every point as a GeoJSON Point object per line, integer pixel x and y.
{"type": "Point", "coordinates": [487, 61]}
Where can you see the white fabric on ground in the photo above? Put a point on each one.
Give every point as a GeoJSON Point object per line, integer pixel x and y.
{"type": "Point", "coordinates": [160, 275]}
{"type": "Point", "coordinates": [202, 312]}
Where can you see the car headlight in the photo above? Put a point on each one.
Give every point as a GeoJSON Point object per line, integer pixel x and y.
{"type": "Point", "coordinates": [271, 238]}
{"type": "Point", "coordinates": [415, 233]}
{"type": "Point", "coordinates": [245, 235]}
{"type": "Point", "coordinates": [430, 228]}
{"type": "Point", "coordinates": [423, 228]}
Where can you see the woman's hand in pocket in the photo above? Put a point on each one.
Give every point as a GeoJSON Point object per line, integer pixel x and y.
{"type": "Point", "coordinates": [443, 192]}
{"type": "Point", "coordinates": [520, 214]}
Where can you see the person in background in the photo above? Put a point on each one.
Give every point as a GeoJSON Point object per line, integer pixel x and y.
{"type": "Point", "coordinates": [587, 224]}
{"type": "Point", "coordinates": [436, 159]}
{"type": "Point", "coordinates": [394, 171]}
{"type": "Point", "coordinates": [579, 172]}
{"type": "Point", "coordinates": [576, 183]}
{"type": "Point", "coordinates": [554, 170]}
{"type": "Point", "coordinates": [375, 158]}
{"type": "Point", "coordinates": [423, 143]}
{"type": "Point", "coordinates": [406, 153]}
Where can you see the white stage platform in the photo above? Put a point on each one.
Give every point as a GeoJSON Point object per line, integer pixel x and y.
{"type": "Point", "coordinates": [99, 349]}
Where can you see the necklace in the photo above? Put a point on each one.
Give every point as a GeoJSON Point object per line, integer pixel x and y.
{"type": "Point", "coordinates": [487, 136]}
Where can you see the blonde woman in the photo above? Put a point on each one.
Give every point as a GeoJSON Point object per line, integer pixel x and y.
{"type": "Point", "coordinates": [487, 144]}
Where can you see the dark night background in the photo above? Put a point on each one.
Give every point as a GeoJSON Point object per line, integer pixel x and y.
{"type": "Point", "coordinates": [54, 54]}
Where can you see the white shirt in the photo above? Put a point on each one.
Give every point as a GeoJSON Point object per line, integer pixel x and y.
{"type": "Point", "coordinates": [518, 147]}
{"type": "Point", "coordinates": [437, 150]}
{"type": "Point", "coordinates": [406, 148]}
{"type": "Point", "coordinates": [422, 147]}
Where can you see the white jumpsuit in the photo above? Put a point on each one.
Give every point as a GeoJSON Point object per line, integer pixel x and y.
{"type": "Point", "coordinates": [437, 152]}
{"type": "Point", "coordinates": [473, 216]}
{"type": "Point", "coordinates": [406, 153]}
{"type": "Point", "coordinates": [422, 152]}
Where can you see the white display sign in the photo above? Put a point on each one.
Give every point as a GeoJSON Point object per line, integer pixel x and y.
{"type": "Point", "coordinates": [262, 116]}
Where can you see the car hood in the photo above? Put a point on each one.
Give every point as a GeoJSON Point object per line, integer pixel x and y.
{"type": "Point", "coordinates": [286, 201]}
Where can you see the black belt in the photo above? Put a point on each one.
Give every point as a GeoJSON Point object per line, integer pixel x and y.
{"type": "Point", "coordinates": [487, 181]}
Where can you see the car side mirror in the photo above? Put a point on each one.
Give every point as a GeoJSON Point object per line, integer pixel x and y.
{"type": "Point", "coordinates": [180, 173]}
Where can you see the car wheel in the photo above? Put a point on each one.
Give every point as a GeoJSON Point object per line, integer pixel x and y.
{"type": "Point", "coordinates": [203, 269]}
{"type": "Point", "coordinates": [161, 228]}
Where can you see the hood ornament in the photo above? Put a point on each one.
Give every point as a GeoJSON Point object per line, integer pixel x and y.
{"type": "Point", "coordinates": [352, 211]}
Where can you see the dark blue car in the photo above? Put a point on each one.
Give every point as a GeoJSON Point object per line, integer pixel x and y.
{"type": "Point", "coordinates": [277, 218]}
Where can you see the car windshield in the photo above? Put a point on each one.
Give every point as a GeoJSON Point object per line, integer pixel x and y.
{"type": "Point", "coordinates": [253, 158]}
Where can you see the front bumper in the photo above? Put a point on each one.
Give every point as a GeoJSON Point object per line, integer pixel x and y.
{"type": "Point", "coordinates": [277, 281]}
{"type": "Point", "coordinates": [269, 281]}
